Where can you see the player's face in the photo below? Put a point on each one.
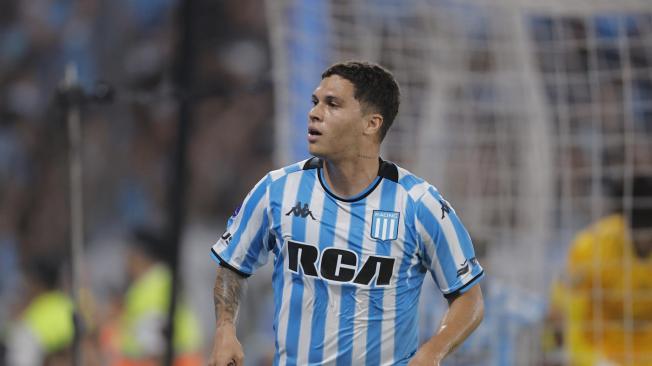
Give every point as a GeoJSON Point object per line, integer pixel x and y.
{"type": "Point", "coordinates": [335, 125]}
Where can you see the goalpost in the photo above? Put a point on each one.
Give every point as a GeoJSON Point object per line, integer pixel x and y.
{"type": "Point", "coordinates": [519, 111]}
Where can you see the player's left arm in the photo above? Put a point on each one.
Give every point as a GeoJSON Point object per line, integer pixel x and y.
{"type": "Point", "coordinates": [465, 312]}
{"type": "Point", "coordinates": [448, 253]}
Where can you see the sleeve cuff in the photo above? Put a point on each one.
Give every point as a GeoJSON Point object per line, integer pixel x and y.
{"type": "Point", "coordinates": [216, 257]}
{"type": "Point", "coordinates": [464, 288]}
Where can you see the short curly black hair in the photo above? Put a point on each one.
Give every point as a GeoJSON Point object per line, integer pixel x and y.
{"type": "Point", "coordinates": [374, 87]}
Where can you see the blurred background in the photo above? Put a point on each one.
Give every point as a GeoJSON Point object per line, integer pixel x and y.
{"type": "Point", "coordinates": [533, 118]}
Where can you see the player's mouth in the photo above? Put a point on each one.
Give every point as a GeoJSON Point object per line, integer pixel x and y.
{"type": "Point", "coordinates": [313, 134]}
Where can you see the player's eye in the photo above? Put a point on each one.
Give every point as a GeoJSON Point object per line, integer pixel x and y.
{"type": "Point", "coordinates": [314, 102]}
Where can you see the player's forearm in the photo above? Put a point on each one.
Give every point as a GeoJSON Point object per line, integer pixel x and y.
{"type": "Point", "coordinates": [464, 315]}
{"type": "Point", "coordinates": [227, 294]}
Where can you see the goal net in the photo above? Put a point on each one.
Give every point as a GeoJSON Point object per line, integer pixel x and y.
{"type": "Point", "coordinates": [520, 111]}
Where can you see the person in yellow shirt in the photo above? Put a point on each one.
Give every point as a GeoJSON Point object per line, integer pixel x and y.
{"type": "Point", "coordinates": [140, 333]}
{"type": "Point", "coordinates": [606, 296]}
{"type": "Point", "coordinates": [44, 330]}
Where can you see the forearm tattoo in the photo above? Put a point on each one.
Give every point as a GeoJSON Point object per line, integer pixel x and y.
{"type": "Point", "coordinates": [227, 293]}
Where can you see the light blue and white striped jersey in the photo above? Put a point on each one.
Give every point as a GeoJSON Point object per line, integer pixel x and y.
{"type": "Point", "coordinates": [348, 271]}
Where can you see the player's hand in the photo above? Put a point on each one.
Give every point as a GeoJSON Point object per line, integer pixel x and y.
{"type": "Point", "coordinates": [227, 350]}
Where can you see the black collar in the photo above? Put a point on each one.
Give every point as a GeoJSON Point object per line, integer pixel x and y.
{"type": "Point", "coordinates": [386, 169]}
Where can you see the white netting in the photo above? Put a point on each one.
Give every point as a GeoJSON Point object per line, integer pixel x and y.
{"type": "Point", "coordinates": [519, 111]}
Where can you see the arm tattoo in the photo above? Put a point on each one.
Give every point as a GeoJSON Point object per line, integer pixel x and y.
{"type": "Point", "coordinates": [227, 293]}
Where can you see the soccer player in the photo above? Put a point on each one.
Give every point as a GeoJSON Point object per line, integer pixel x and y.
{"type": "Point", "coordinates": [607, 306]}
{"type": "Point", "coordinates": [353, 236]}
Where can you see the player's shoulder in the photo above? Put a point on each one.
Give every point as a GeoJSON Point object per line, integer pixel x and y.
{"type": "Point", "coordinates": [606, 237]}
{"type": "Point", "coordinates": [606, 228]}
{"type": "Point", "coordinates": [415, 186]}
{"type": "Point", "coordinates": [292, 169]}
{"type": "Point", "coordinates": [611, 226]}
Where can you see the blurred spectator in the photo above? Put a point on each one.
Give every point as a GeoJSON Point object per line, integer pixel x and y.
{"type": "Point", "coordinates": [43, 332]}
{"type": "Point", "coordinates": [606, 296]}
{"type": "Point", "coordinates": [126, 146]}
{"type": "Point", "coordinates": [141, 332]}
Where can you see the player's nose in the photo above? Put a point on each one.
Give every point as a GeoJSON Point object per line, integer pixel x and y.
{"type": "Point", "coordinates": [315, 114]}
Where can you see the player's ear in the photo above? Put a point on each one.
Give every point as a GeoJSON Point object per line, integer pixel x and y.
{"type": "Point", "coordinates": [373, 123]}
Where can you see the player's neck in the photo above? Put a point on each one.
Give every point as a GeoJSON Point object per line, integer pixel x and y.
{"type": "Point", "coordinates": [349, 177]}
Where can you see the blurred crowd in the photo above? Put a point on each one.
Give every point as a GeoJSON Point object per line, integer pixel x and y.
{"type": "Point", "coordinates": [597, 110]}
{"type": "Point", "coordinates": [597, 80]}
{"type": "Point", "coordinates": [599, 310]}
{"type": "Point", "coordinates": [127, 144]}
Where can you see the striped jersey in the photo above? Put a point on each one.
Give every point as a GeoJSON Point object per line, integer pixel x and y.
{"type": "Point", "coordinates": [348, 271]}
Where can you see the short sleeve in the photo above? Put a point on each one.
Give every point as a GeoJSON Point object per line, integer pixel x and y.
{"type": "Point", "coordinates": [243, 246]}
{"type": "Point", "coordinates": [445, 245]}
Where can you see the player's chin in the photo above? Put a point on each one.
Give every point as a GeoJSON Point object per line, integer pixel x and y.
{"type": "Point", "coordinates": [314, 150]}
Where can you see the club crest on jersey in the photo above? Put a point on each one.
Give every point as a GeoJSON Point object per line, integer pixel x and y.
{"type": "Point", "coordinates": [384, 225]}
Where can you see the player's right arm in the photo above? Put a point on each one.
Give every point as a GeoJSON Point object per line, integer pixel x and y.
{"type": "Point", "coordinates": [227, 294]}
{"type": "Point", "coordinates": [239, 251]}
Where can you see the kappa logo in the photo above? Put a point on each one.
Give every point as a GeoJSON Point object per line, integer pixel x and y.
{"type": "Point", "coordinates": [465, 266]}
{"type": "Point", "coordinates": [226, 237]}
{"type": "Point", "coordinates": [302, 212]}
{"type": "Point", "coordinates": [464, 270]}
{"type": "Point", "coordinates": [445, 208]}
